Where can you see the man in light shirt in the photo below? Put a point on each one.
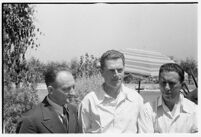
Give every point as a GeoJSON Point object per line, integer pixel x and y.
{"type": "Point", "coordinates": [171, 112]}
{"type": "Point", "coordinates": [54, 114]}
{"type": "Point", "coordinates": [113, 107]}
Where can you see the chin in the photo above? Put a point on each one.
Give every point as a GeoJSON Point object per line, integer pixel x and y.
{"type": "Point", "coordinates": [116, 86]}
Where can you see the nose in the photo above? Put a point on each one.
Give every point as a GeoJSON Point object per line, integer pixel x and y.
{"type": "Point", "coordinates": [167, 86]}
{"type": "Point", "coordinates": [115, 71]}
{"type": "Point", "coordinates": [72, 91]}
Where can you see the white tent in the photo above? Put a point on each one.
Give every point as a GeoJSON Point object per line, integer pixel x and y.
{"type": "Point", "coordinates": [145, 63]}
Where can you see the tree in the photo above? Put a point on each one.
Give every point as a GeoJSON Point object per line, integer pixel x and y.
{"type": "Point", "coordinates": [190, 66]}
{"type": "Point", "coordinates": [87, 66]}
{"type": "Point", "coordinates": [36, 70]}
{"type": "Point", "coordinates": [74, 66]}
{"type": "Point", "coordinates": [19, 33]}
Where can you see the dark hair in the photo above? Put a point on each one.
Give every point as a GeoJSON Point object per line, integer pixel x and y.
{"type": "Point", "coordinates": [51, 73]}
{"type": "Point", "coordinates": [111, 54]}
{"type": "Point", "coordinates": [172, 67]}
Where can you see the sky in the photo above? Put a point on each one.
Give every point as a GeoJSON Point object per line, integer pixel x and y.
{"type": "Point", "coordinates": [71, 30]}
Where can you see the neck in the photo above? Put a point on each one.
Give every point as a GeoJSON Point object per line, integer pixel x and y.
{"type": "Point", "coordinates": [113, 92]}
{"type": "Point", "coordinates": [54, 100]}
{"type": "Point", "coordinates": [170, 106]}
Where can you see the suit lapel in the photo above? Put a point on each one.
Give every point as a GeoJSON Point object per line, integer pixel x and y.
{"type": "Point", "coordinates": [50, 119]}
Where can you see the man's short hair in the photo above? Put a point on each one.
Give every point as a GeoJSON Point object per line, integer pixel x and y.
{"type": "Point", "coordinates": [111, 54]}
{"type": "Point", "coordinates": [172, 67]}
{"type": "Point", "coordinates": [51, 74]}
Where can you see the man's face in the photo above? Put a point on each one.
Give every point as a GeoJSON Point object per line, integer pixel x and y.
{"type": "Point", "coordinates": [113, 72]}
{"type": "Point", "coordinates": [170, 86]}
{"type": "Point", "coordinates": [63, 88]}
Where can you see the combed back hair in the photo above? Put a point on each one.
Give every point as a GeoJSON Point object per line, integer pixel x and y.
{"type": "Point", "coordinates": [172, 67]}
{"type": "Point", "coordinates": [51, 73]}
{"type": "Point", "coordinates": [111, 54]}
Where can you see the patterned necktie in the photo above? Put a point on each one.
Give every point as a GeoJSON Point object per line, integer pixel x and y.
{"type": "Point", "coordinates": [65, 118]}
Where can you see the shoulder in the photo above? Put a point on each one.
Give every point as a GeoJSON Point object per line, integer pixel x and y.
{"type": "Point", "coordinates": [32, 116]}
{"type": "Point", "coordinates": [132, 94]}
{"type": "Point", "coordinates": [189, 106]}
{"type": "Point", "coordinates": [89, 97]}
{"type": "Point", "coordinates": [33, 112]}
{"type": "Point", "coordinates": [151, 107]}
{"type": "Point", "coordinates": [94, 96]}
{"type": "Point", "coordinates": [29, 118]}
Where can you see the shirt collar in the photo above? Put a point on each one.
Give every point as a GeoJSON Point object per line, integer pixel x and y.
{"type": "Point", "coordinates": [127, 93]}
{"type": "Point", "coordinates": [123, 94]}
{"type": "Point", "coordinates": [184, 107]}
{"type": "Point", "coordinates": [56, 107]}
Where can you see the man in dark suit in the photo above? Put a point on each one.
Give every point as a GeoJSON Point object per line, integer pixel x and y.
{"type": "Point", "coordinates": [48, 116]}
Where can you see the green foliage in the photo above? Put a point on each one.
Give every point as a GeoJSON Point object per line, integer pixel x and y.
{"type": "Point", "coordinates": [18, 34]}
{"type": "Point", "coordinates": [57, 64]}
{"type": "Point", "coordinates": [190, 66]}
{"type": "Point", "coordinates": [36, 70]}
{"type": "Point", "coordinates": [16, 102]}
{"type": "Point", "coordinates": [86, 67]}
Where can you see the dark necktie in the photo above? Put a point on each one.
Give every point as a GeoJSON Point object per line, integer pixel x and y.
{"type": "Point", "coordinates": [65, 118]}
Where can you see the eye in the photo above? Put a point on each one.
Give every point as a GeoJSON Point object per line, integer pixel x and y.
{"type": "Point", "coordinates": [112, 70]}
{"type": "Point", "coordinates": [163, 82]}
{"type": "Point", "coordinates": [68, 88]}
{"type": "Point", "coordinates": [119, 70]}
{"type": "Point", "coordinates": [172, 83]}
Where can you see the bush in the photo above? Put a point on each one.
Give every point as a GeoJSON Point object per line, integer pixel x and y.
{"type": "Point", "coordinates": [86, 84]}
{"type": "Point", "coordinates": [87, 66]}
{"type": "Point", "coordinates": [16, 102]}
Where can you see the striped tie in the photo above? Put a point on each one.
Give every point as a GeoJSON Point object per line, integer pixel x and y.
{"type": "Point", "coordinates": [65, 118]}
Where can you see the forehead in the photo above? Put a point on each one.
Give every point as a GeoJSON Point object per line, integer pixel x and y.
{"type": "Point", "coordinates": [114, 63]}
{"type": "Point", "coordinates": [171, 76]}
{"type": "Point", "coordinates": [64, 77]}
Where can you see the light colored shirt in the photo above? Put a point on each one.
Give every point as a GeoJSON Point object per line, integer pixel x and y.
{"type": "Point", "coordinates": [157, 118]}
{"type": "Point", "coordinates": [100, 113]}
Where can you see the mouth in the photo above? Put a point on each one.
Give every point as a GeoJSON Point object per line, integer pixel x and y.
{"type": "Point", "coordinates": [71, 96]}
{"type": "Point", "coordinates": [168, 95]}
{"type": "Point", "coordinates": [116, 79]}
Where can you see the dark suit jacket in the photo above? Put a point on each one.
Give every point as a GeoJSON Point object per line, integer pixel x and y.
{"type": "Point", "coordinates": [43, 119]}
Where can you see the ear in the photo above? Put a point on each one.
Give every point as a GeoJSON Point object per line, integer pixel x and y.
{"type": "Point", "coordinates": [50, 89]}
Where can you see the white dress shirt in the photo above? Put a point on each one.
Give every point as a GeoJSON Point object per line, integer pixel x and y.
{"type": "Point", "coordinates": [156, 117]}
{"type": "Point", "coordinates": [100, 113]}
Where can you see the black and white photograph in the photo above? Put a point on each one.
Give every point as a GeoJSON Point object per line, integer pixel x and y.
{"type": "Point", "coordinates": [99, 67]}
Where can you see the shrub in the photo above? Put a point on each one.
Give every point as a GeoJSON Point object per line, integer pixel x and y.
{"type": "Point", "coordinates": [87, 66]}
{"type": "Point", "coordinates": [16, 102]}
{"type": "Point", "coordinates": [86, 84]}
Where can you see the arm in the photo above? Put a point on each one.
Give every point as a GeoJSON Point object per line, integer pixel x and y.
{"type": "Point", "coordinates": [194, 128]}
{"type": "Point", "coordinates": [27, 126]}
{"type": "Point", "coordinates": [145, 119]}
{"type": "Point", "coordinates": [83, 119]}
